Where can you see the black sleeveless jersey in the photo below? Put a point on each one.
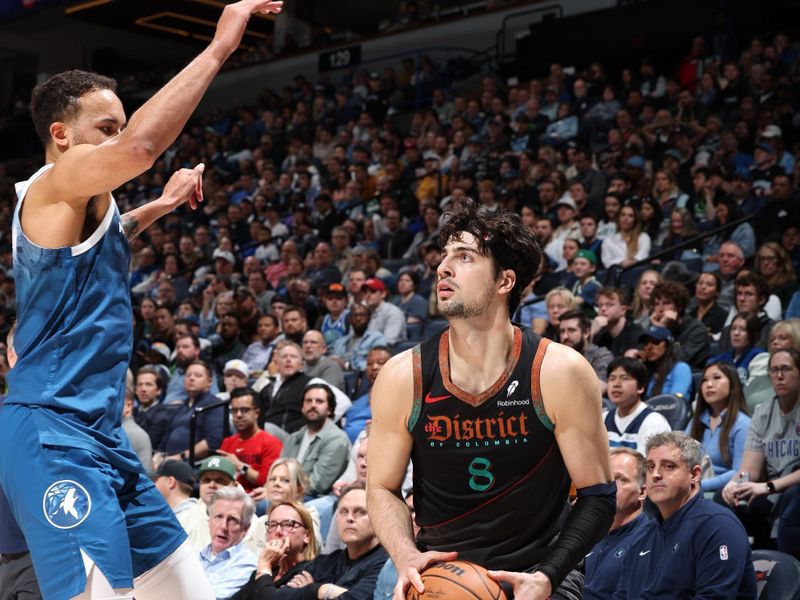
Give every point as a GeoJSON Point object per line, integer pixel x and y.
{"type": "Point", "coordinates": [489, 479]}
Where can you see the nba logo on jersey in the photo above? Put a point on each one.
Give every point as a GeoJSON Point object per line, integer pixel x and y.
{"type": "Point", "coordinates": [66, 504]}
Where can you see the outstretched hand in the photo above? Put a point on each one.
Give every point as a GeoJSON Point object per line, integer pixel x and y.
{"type": "Point", "coordinates": [185, 184]}
{"type": "Point", "coordinates": [234, 19]}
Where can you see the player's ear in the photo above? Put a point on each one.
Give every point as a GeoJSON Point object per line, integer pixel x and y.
{"type": "Point", "coordinates": [508, 278]}
{"type": "Point", "coordinates": [58, 135]}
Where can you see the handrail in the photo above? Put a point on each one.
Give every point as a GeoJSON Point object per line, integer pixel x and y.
{"type": "Point", "coordinates": [680, 246]}
{"type": "Point", "coordinates": [193, 423]}
{"type": "Point", "coordinates": [501, 33]}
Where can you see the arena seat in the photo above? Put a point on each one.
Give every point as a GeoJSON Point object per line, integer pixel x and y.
{"type": "Point", "coordinates": [432, 327]}
{"type": "Point", "coordinates": [674, 409]}
{"type": "Point", "coordinates": [777, 575]}
{"type": "Point", "coordinates": [415, 331]}
{"type": "Point", "coordinates": [399, 347]}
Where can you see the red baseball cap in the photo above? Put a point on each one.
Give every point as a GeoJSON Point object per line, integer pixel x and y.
{"type": "Point", "coordinates": [373, 283]}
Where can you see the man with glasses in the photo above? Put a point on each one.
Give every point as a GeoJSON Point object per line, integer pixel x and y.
{"type": "Point", "coordinates": [251, 450]}
{"type": "Point", "coordinates": [772, 460]}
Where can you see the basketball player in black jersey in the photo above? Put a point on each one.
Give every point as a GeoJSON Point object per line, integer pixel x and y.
{"type": "Point", "coordinates": [497, 421]}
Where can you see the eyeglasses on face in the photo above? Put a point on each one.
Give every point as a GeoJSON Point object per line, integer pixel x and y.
{"type": "Point", "coordinates": [286, 526]}
{"type": "Point", "coordinates": [782, 370]}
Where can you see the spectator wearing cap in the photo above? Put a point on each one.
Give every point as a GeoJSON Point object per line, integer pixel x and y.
{"type": "Point", "coordinates": [251, 450]}
{"type": "Point", "coordinates": [586, 286]}
{"type": "Point", "coordinates": [386, 318]}
{"type": "Point", "coordinates": [227, 561]}
{"type": "Point", "coordinates": [317, 364]}
{"type": "Point", "coordinates": [765, 169]}
{"type": "Point", "coordinates": [352, 349]}
{"type": "Point", "coordinates": [668, 375]}
{"type": "Point", "coordinates": [209, 425]}
{"type": "Point", "coordinates": [669, 300]}
{"type": "Point", "coordinates": [150, 414]}
{"type": "Point", "coordinates": [224, 262]}
{"type": "Point", "coordinates": [568, 227]}
{"type": "Point", "coordinates": [259, 353]}
{"type": "Point", "coordinates": [175, 480]}
{"type": "Point", "coordinates": [693, 547]}
{"type": "Point", "coordinates": [773, 135]}
{"type": "Point", "coordinates": [630, 421]}
{"type": "Point", "coordinates": [334, 323]}
{"type": "Point", "coordinates": [236, 374]}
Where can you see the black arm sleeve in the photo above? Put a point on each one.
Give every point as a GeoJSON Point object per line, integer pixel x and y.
{"type": "Point", "coordinates": [587, 523]}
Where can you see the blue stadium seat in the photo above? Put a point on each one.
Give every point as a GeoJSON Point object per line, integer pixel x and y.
{"type": "Point", "coordinates": [351, 379]}
{"type": "Point", "coordinates": [697, 378]}
{"type": "Point", "coordinates": [415, 331]}
{"type": "Point", "coordinates": [432, 327]}
{"type": "Point", "coordinates": [674, 409]}
{"type": "Point", "coordinates": [399, 347]}
{"type": "Point", "coordinates": [394, 264]}
{"type": "Point", "coordinates": [777, 575]}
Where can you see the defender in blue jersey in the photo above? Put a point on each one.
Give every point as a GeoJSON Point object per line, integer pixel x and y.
{"type": "Point", "coordinates": [497, 422]}
{"type": "Point", "coordinates": [94, 523]}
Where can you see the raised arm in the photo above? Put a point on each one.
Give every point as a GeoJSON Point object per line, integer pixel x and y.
{"type": "Point", "coordinates": [86, 171]}
{"type": "Point", "coordinates": [387, 459]}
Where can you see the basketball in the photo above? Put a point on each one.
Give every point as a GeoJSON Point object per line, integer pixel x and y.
{"type": "Point", "coordinates": [457, 579]}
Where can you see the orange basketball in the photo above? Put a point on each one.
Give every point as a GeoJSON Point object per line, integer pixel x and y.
{"type": "Point", "coordinates": [459, 580]}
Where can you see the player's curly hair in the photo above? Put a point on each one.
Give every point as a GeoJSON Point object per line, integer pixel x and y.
{"type": "Point", "coordinates": [57, 98]}
{"type": "Point", "coordinates": [501, 236]}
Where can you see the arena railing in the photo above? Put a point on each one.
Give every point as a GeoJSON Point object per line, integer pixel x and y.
{"type": "Point", "coordinates": [517, 25]}
{"type": "Point", "coordinates": [614, 275]}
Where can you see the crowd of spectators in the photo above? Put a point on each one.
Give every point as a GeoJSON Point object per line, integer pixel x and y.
{"type": "Point", "coordinates": [313, 258]}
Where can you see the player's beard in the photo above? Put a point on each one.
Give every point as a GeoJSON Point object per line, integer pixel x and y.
{"type": "Point", "coordinates": [461, 309]}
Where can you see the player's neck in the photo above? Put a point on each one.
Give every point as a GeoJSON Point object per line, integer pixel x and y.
{"type": "Point", "coordinates": [479, 352]}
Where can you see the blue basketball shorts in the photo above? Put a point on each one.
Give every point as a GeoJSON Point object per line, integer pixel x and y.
{"type": "Point", "coordinates": [67, 498]}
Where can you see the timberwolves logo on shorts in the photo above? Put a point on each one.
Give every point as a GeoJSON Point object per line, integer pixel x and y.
{"type": "Point", "coordinates": [66, 504]}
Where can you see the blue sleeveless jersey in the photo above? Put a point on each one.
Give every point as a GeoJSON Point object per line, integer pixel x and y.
{"type": "Point", "coordinates": [74, 337]}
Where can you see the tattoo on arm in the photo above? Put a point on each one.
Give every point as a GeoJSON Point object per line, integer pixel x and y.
{"type": "Point", "coordinates": [130, 225]}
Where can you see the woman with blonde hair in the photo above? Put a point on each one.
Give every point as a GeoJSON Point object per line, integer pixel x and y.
{"type": "Point", "coordinates": [667, 192]}
{"type": "Point", "coordinates": [290, 545]}
{"type": "Point", "coordinates": [286, 482]}
{"type": "Point", "coordinates": [784, 335]}
{"type": "Point", "coordinates": [775, 266]}
{"type": "Point", "coordinates": [629, 244]}
{"type": "Point", "coordinates": [641, 305]}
